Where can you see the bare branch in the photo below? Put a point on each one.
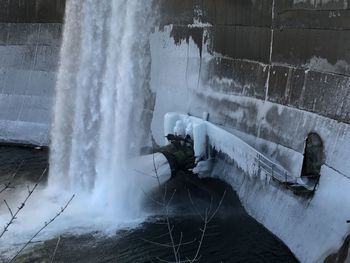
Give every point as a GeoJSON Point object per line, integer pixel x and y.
{"type": "Point", "coordinates": [169, 245]}
{"type": "Point", "coordinates": [218, 207]}
{"type": "Point", "coordinates": [170, 230]}
{"type": "Point", "coordinates": [176, 247]}
{"type": "Point", "coordinates": [207, 219]}
{"type": "Point", "coordinates": [21, 206]}
{"type": "Point", "coordinates": [195, 258]}
{"type": "Point", "coordinates": [165, 193]}
{"type": "Point", "coordinates": [162, 235]}
{"type": "Point", "coordinates": [152, 199]}
{"type": "Point", "coordinates": [54, 252]}
{"type": "Point", "coordinates": [155, 169]}
{"type": "Point", "coordinates": [194, 206]}
{"type": "Point", "coordinates": [41, 229]}
{"type": "Point", "coordinates": [8, 207]}
{"type": "Point", "coordinates": [211, 204]}
{"type": "Point", "coordinates": [180, 243]}
{"type": "Point", "coordinates": [8, 185]}
{"type": "Point", "coordinates": [171, 198]}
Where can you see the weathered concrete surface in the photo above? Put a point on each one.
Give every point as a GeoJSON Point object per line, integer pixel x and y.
{"type": "Point", "coordinates": [271, 72]}
{"type": "Point", "coordinates": [254, 56]}
{"type": "Point", "coordinates": [299, 41]}
{"type": "Point", "coordinates": [30, 37]}
{"type": "Point", "coordinates": [220, 12]}
{"type": "Point", "coordinates": [32, 11]}
{"type": "Point", "coordinates": [29, 58]}
{"type": "Point", "coordinates": [309, 44]}
{"type": "Point", "coordinates": [319, 49]}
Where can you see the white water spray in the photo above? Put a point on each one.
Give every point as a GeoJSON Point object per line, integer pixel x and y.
{"type": "Point", "coordinates": [99, 102]}
{"type": "Point", "coordinates": [97, 127]}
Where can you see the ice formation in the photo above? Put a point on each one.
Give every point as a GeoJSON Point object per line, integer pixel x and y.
{"type": "Point", "coordinates": [206, 134]}
{"type": "Point", "coordinates": [311, 228]}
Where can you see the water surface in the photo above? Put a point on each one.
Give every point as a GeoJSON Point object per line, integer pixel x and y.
{"type": "Point", "coordinates": [232, 235]}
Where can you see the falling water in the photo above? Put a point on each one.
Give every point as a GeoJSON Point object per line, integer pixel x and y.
{"type": "Point", "coordinates": [99, 99]}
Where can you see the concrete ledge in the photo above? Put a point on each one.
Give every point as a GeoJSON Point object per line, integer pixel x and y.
{"type": "Point", "coordinates": [24, 133]}
{"type": "Point", "coordinates": [48, 34]}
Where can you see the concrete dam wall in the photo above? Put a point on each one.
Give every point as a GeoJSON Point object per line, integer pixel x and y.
{"type": "Point", "coordinates": [30, 37]}
{"type": "Point", "coordinates": [32, 11]}
{"type": "Point", "coordinates": [269, 71]}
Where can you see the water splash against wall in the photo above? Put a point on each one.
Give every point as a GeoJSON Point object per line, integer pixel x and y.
{"type": "Point", "coordinates": [99, 99]}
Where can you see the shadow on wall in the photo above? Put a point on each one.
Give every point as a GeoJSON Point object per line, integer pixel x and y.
{"type": "Point", "coordinates": [313, 156]}
{"type": "Point", "coordinates": [313, 160]}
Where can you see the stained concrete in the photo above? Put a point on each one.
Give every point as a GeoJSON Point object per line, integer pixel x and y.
{"type": "Point", "coordinates": [272, 75]}
{"type": "Point", "coordinates": [278, 70]}
{"type": "Point", "coordinates": [29, 58]}
{"type": "Point", "coordinates": [308, 68]}
{"type": "Point", "coordinates": [32, 11]}
{"type": "Point", "coordinates": [303, 44]}
{"type": "Point", "coordinates": [249, 78]}
{"type": "Point", "coordinates": [30, 38]}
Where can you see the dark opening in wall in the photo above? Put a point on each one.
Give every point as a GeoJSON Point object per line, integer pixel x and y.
{"type": "Point", "coordinates": [313, 157]}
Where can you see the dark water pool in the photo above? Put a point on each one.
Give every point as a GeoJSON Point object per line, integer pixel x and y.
{"type": "Point", "coordinates": [231, 236]}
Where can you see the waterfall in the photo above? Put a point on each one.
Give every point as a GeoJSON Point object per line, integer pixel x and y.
{"type": "Point", "coordinates": [99, 100]}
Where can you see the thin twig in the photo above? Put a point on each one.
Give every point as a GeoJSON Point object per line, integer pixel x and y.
{"type": "Point", "coordinates": [54, 252]}
{"type": "Point", "coordinates": [207, 219]}
{"type": "Point", "coordinates": [170, 199]}
{"type": "Point", "coordinates": [176, 246]}
{"type": "Point", "coordinates": [218, 206]}
{"type": "Point", "coordinates": [46, 224]}
{"type": "Point", "coordinates": [21, 206]}
{"type": "Point", "coordinates": [195, 258]}
{"type": "Point", "coordinates": [8, 185]}
{"type": "Point", "coordinates": [193, 205]}
{"type": "Point", "coordinates": [165, 206]}
{"type": "Point", "coordinates": [169, 245]}
{"type": "Point", "coordinates": [8, 207]}
{"type": "Point", "coordinates": [161, 236]}
{"type": "Point", "coordinates": [180, 243]}
{"type": "Point", "coordinates": [171, 236]}
{"type": "Point", "coordinates": [155, 169]}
